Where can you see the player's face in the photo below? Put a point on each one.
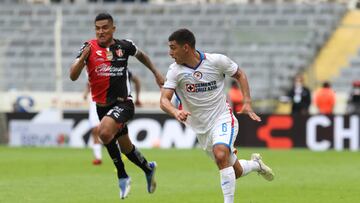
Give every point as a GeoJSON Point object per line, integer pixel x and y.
{"type": "Point", "coordinates": [104, 32]}
{"type": "Point", "coordinates": [177, 52]}
{"type": "Point", "coordinates": [298, 80]}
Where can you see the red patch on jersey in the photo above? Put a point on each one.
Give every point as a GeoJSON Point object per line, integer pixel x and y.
{"type": "Point", "coordinates": [190, 87]}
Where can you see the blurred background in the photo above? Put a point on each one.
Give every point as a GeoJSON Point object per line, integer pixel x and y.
{"type": "Point", "coordinates": [284, 46]}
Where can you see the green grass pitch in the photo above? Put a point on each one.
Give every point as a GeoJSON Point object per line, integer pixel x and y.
{"type": "Point", "coordinates": [42, 175]}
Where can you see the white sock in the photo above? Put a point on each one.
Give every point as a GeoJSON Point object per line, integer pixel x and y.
{"type": "Point", "coordinates": [97, 151]}
{"type": "Point", "coordinates": [248, 166]}
{"type": "Point", "coordinates": [227, 178]}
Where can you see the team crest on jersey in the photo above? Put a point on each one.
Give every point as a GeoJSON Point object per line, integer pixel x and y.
{"type": "Point", "coordinates": [119, 52]}
{"type": "Point", "coordinates": [198, 75]}
{"type": "Point", "coordinates": [109, 55]}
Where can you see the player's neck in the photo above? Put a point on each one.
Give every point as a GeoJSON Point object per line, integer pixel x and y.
{"type": "Point", "coordinates": [193, 60]}
{"type": "Point", "coordinates": [108, 44]}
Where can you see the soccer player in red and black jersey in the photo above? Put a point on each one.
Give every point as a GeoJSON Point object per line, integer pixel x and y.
{"type": "Point", "coordinates": [106, 61]}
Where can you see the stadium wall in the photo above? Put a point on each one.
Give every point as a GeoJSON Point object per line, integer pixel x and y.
{"type": "Point", "coordinates": [152, 130]}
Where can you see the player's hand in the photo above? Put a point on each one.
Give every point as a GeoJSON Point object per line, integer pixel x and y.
{"type": "Point", "coordinates": [181, 115]}
{"type": "Point", "coordinates": [249, 111]}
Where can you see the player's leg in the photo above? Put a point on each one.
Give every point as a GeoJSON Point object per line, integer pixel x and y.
{"type": "Point", "coordinates": [108, 130]}
{"type": "Point", "coordinates": [94, 124]}
{"type": "Point", "coordinates": [265, 171]}
{"type": "Point", "coordinates": [243, 167]}
{"type": "Point", "coordinates": [255, 164]}
{"type": "Point", "coordinates": [97, 146]}
{"type": "Point", "coordinates": [223, 137]}
{"type": "Point", "coordinates": [227, 172]}
{"type": "Point", "coordinates": [110, 127]}
{"type": "Point", "coordinates": [135, 156]}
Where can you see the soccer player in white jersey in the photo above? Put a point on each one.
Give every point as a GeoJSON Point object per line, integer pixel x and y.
{"type": "Point", "coordinates": [94, 123]}
{"type": "Point", "coordinates": [198, 80]}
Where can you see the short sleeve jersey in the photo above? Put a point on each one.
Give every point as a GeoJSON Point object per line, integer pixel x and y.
{"type": "Point", "coordinates": [201, 89]}
{"type": "Point", "coordinates": [107, 70]}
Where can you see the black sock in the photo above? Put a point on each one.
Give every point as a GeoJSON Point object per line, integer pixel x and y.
{"type": "Point", "coordinates": [137, 158]}
{"type": "Point", "coordinates": [115, 155]}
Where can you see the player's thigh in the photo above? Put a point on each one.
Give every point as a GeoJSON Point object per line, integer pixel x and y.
{"type": "Point", "coordinates": [115, 117]}
{"type": "Point", "coordinates": [225, 131]}
{"type": "Point", "coordinates": [122, 112]}
{"type": "Point", "coordinates": [108, 126]}
{"type": "Point", "coordinates": [224, 135]}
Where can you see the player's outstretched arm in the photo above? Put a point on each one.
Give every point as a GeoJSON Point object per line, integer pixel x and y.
{"type": "Point", "coordinates": [79, 63]}
{"type": "Point", "coordinates": [241, 78]}
{"type": "Point", "coordinates": [166, 105]}
{"type": "Point", "coordinates": [144, 59]}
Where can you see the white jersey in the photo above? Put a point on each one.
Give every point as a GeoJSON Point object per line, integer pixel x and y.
{"type": "Point", "coordinates": [201, 90]}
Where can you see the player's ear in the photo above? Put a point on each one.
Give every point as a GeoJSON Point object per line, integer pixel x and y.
{"type": "Point", "coordinates": [186, 47]}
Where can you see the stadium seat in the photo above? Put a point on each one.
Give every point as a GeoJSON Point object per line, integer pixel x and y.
{"type": "Point", "coordinates": [265, 39]}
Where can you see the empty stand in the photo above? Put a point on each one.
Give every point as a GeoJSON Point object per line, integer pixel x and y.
{"type": "Point", "coordinates": [271, 42]}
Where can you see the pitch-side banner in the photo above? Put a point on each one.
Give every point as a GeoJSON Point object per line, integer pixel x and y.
{"type": "Point", "coordinates": [25, 133]}
{"type": "Point", "coordinates": [317, 132]}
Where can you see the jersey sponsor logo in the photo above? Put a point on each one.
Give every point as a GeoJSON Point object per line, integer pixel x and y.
{"type": "Point", "coordinates": [105, 70]}
{"type": "Point", "coordinates": [99, 52]}
{"type": "Point", "coordinates": [197, 75]}
{"type": "Point", "coordinates": [99, 59]}
{"type": "Point", "coordinates": [201, 87]}
{"type": "Point", "coordinates": [190, 87]}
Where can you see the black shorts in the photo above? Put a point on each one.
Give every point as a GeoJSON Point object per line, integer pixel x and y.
{"type": "Point", "coordinates": [121, 112]}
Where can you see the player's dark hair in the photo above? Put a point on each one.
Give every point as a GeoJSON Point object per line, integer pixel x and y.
{"type": "Point", "coordinates": [183, 36]}
{"type": "Point", "coordinates": [326, 84]}
{"type": "Point", "coordinates": [104, 16]}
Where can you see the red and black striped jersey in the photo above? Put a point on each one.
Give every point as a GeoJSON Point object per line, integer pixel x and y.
{"type": "Point", "coordinates": [107, 70]}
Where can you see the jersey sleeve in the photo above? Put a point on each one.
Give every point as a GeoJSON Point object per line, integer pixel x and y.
{"type": "Point", "coordinates": [170, 82]}
{"type": "Point", "coordinates": [228, 66]}
{"type": "Point", "coordinates": [82, 49]}
{"type": "Point", "coordinates": [131, 47]}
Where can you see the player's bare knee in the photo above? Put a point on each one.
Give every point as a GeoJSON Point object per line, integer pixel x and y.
{"type": "Point", "coordinates": [105, 135]}
{"type": "Point", "coordinates": [221, 159]}
{"type": "Point", "coordinates": [221, 155]}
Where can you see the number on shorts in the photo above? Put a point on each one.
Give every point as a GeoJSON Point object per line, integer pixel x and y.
{"type": "Point", "coordinates": [224, 127]}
